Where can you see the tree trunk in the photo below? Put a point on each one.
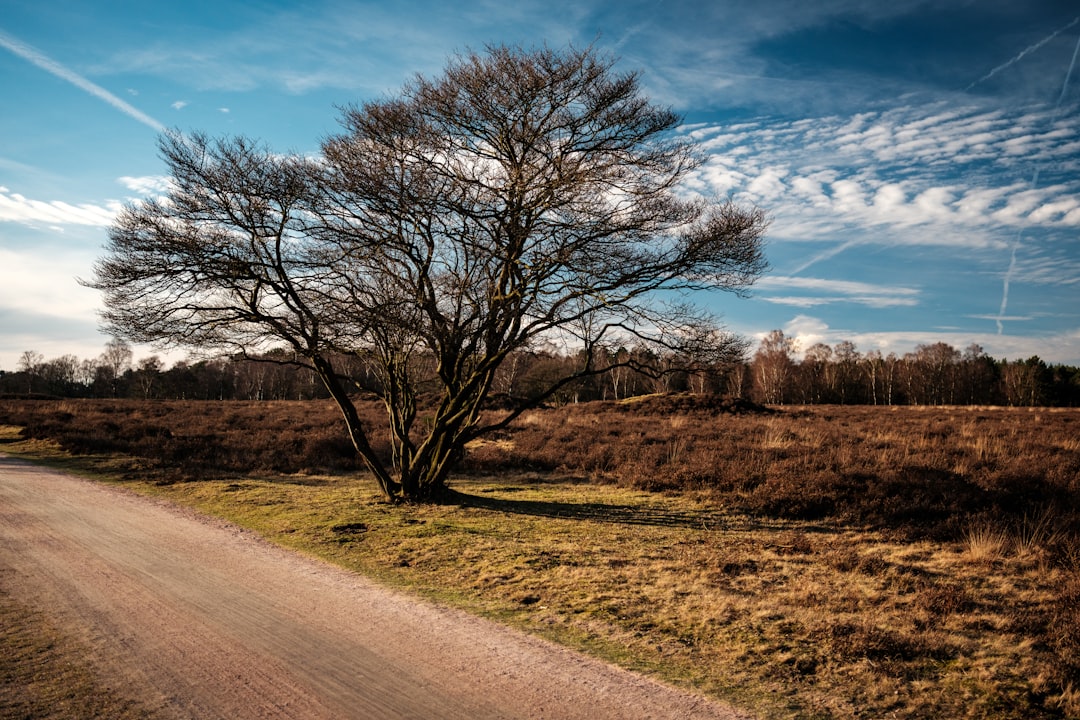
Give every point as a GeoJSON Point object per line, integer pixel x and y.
{"type": "Point", "coordinates": [357, 436]}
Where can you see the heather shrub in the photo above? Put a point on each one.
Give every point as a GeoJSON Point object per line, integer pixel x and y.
{"type": "Point", "coordinates": [195, 439]}
{"type": "Point", "coordinates": [919, 472]}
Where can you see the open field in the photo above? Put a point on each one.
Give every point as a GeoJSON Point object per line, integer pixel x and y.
{"type": "Point", "coordinates": [814, 562]}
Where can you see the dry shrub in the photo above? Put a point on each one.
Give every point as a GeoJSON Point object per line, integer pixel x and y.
{"type": "Point", "coordinates": [924, 473]}
{"type": "Point", "coordinates": [889, 651]}
{"type": "Point", "coordinates": [943, 598]}
{"type": "Point", "coordinates": [945, 473]}
{"type": "Point", "coordinates": [1038, 532]}
{"type": "Point", "coordinates": [196, 439]}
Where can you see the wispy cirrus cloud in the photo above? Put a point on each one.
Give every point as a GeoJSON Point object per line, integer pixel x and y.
{"type": "Point", "coordinates": [821, 291]}
{"type": "Point", "coordinates": [46, 63]}
{"type": "Point", "coordinates": [17, 208]}
{"type": "Point", "coordinates": [898, 172]}
{"type": "Point", "coordinates": [147, 184]}
{"type": "Point", "coordinates": [359, 47]}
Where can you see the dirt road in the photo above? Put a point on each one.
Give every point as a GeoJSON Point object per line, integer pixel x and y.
{"type": "Point", "coordinates": [200, 619]}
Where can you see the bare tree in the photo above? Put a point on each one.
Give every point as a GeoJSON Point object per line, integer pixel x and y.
{"type": "Point", "coordinates": [31, 362]}
{"type": "Point", "coordinates": [847, 363]}
{"type": "Point", "coordinates": [114, 362]}
{"type": "Point", "coordinates": [872, 366]}
{"type": "Point", "coordinates": [147, 375]}
{"type": "Point", "coordinates": [60, 374]}
{"type": "Point", "coordinates": [773, 366]}
{"type": "Point", "coordinates": [817, 374]}
{"type": "Point", "coordinates": [935, 366]}
{"type": "Point", "coordinates": [520, 198]}
{"type": "Point", "coordinates": [87, 372]}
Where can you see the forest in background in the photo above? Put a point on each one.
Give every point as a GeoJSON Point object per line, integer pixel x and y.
{"type": "Point", "coordinates": [776, 374]}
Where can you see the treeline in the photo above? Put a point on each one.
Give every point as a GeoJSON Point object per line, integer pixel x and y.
{"type": "Point", "coordinates": [775, 374]}
{"type": "Point", "coordinates": [936, 374]}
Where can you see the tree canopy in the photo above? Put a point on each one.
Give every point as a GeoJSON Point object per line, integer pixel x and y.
{"type": "Point", "coordinates": [520, 198]}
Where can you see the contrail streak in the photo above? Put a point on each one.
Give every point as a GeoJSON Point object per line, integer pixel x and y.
{"type": "Point", "coordinates": [1034, 183]}
{"type": "Point", "coordinates": [1023, 52]}
{"type": "Point", "coordinates": [1005, 287]}
{"type": "Point", "coordinates": [48, 64]}
{"type": "Point", "coordinates": [825, 255]}
{"type": "Point", "coordinates": [1072, 64]}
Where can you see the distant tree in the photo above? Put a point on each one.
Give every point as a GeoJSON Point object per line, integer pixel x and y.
{"type": "Point", "coordinates": [738, 380]}
{"type": "Point", "coordinates": [61, 375]}
{"type": "Point", "coordinates": [873, 367]}
{"type": "Point", "coordinates": [773, 366]}
{"type": "Point", "coordinates": [113, 363]}
{"type": "Point", "coordinates": [711, 374]}
{"type": "Point", "coordinates": [87, 372]}
{"type": "Point", "coordinates": [30, 363]}
{"type": "Point", "coordinates": [816, 377]}
{"type": "Point", "coordinates": [847, 364]}
{"type": "Point", "coordinates": [933, 374]}
{"type": "Point", "coordinates": [148, 374]}
{"type": "Point", "coordinates": [521, 198]}
{"type": "Point", "coordinates": [890, 369]}
{"type": "Point", "coordinates": [1065, 385]}
{"type": "Point", "coordinates": [978, 376]}
{"type": "Point", "coordinates": [1025, 381]}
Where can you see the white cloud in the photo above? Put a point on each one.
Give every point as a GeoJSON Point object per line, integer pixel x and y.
{"type": "Point", "coordinates": [912, 175]}
{"type": "Point", "coordinates": [799, 301]}
{"type": "Point", "coordinates": [1055, 267]}
{"type": "Point", "coordinates": [179, 105]}
{"type": "Point", "coordinates": [16, 208]}
{"type": "Point", "coordinates": [849, 287]}
{"type": "Point", "coordinates": [147, 184]}
{"type": "Point", "coordinates": [807, 331]}
{"type": "Point", "coordinates": [836, 291]}
{"type": "Point", "coordinates": [768, 183]}
{"type": "Point", "coordinates": [46, 284]}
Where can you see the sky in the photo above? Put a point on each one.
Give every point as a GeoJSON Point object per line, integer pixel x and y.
{"type": "Point", "coordinates": [919, 159]}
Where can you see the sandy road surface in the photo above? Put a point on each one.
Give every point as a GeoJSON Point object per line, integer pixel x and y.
{"type": "Point", "coordinates": [203, 620]}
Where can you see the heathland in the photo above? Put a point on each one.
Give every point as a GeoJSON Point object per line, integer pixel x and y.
{"type": "Point", "coordinates": [819, 561]}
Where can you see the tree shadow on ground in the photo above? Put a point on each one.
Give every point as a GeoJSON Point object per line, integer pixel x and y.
{"type": "Point", "coordinates": [597, 512]}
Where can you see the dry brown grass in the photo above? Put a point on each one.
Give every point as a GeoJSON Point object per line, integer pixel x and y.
{"type": "Point", "coordinates": [820, 562]}
{"type": "Point", "coordinates": [921, 472]}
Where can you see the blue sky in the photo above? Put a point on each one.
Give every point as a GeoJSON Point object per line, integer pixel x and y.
{"type": "Point", "coordinates": [920, 160]}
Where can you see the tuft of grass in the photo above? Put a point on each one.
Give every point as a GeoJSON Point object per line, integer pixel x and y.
{"type": "Point", "coordinates": [1037, 532]}
{"type": "Point", "coordinates": [986, 542]}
